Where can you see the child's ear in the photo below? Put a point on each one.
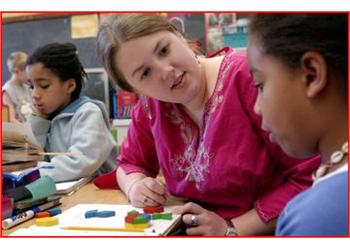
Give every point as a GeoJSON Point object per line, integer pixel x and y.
{"type": "Point", "coordinates": [314, 68]}
{"type": "Point", "coordinates": [71, 85]}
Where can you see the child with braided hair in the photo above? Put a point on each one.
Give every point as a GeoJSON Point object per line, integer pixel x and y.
{"type": "Point", "coordinates": [65, 122]}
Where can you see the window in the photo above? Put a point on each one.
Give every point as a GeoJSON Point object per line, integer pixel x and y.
{"type": "Point", "coordinates": [96, 86]}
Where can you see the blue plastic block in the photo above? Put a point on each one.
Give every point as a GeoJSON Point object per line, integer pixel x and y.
{"type": "Point", "coordinates": [90, 214]}
{"type": "Point", "coordinates": [54, 211]}
{"type": "Point", "coordinates": [105, 214]}
{"type": "Point", "coordinates": [146, 216]}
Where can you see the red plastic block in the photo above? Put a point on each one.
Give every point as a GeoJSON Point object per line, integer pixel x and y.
{"type": "Point", "coordinates": [151, 210]}
{"type": "Point", "coordinates": [130, 218]}
{"type": "Point", "coordinates": [133, 212]}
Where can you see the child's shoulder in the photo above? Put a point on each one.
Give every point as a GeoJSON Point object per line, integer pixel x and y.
{"type": "Point", "coordinates": [92, 106]}
{"type": "Point", "coordinates": [7, 86]}
{"type": "Point", "coordinates": [90, 112]}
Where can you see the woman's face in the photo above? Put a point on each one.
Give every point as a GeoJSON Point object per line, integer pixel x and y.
{"type": "Point", "coordinates": [281, 101]}
{"type": "Point", "coordinates": [50, 94]}
{"type": "Point", "coordinates": [160, 65]}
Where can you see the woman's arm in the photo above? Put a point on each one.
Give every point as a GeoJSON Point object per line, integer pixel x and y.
{"type": "Point", "coordinates": [87, 134]}
{"type": "Point", "coordinates": [250, 223]}
{"type": "Point", "coordinates": [138, 163]}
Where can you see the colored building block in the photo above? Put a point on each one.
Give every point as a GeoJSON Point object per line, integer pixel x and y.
{"type": "Point", "coordinates": [54, 211]}
{"type": "Point", "coordinates": [90, 214]}
{"type": "Point", "coordinates": [156, 216]}
{"type": "Point", "coordinates": [46, 222]}
{"type": "Point", "coordinates": [133, 212]}
{"type": "Point", "coordinates": [140, 226]}
{"type": "Point", "coordinates": [151, 210]}
{"type": "Point", "coordinates": [42, 214]}
{"type": "Point", "coordinates": [139, 220]}
{"type": "Point", "coordinates": [148, 217]}
{"type": "Point", "coordinates": [166, 216]}
{"type": "Point", "coordinates": [129, 219]}
{"type": "Point", "coordinates": [105, 214]}
{"type": "Point", "coordinates": [131, 215]}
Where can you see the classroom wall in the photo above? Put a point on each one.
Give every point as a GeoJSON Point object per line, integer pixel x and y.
{"type": "Point", "coordinates": [28, 35]}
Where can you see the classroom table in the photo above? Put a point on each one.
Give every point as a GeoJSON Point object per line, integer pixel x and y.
{"type": "Point", "coordinates": [88, 194]}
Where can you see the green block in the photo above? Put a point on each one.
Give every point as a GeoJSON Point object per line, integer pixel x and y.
{"type": "Point", "coordinates": [167, 216]}
{"type": "Point", "coordinates": [133, 212]}
{"type": "Point", "coordinates": [156, 216]}
{"type": "Point", "coordinates": [139, 220]}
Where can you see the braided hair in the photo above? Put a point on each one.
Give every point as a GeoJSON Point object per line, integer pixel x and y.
{"type": "Point", "coordinates": [62, 60]}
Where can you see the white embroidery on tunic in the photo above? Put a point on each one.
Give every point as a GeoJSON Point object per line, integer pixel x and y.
{"type": "Point", "coordinates": [194, 163]}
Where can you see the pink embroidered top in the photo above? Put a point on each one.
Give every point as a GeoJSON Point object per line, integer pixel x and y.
{"type": "Point", "coordinates": [226, 165]}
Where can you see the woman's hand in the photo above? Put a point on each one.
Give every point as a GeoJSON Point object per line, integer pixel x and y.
{"type": "Point", "coordinates": [147, 192]}
{"type": "Point", "coordinates": [200, 221]}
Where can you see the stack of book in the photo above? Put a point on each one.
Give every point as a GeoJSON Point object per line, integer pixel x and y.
{"type": "Point", "coordinates": [20, 150]}
{"type": "Point", "coordinates": [24, 194]}
{"type": "Point", "coordinates": [122, 104]}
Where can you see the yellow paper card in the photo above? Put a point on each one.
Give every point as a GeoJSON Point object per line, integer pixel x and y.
{"type": "Point", "coordinates": [83, 26]}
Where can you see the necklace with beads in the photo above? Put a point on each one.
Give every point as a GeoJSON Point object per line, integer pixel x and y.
{"type": "Point", "coordinates": [336, 158]}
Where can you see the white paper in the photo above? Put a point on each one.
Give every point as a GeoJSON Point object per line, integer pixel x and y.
{"type": "Point", "coordinates": [70, 186]}
{"type": "Point", "coordinates": [75, 217]}
{"type": "Point", "coordinates": [24, 129]}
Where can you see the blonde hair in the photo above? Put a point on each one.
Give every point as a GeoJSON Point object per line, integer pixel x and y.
{"type": "Point", "coordinates": [119, 28]}
{"type": "Point", "coordinates": [18, 60]}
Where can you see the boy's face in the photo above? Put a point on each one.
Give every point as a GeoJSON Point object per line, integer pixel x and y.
{"type": "Point", "coordinates": [281, 101]}
{"type": "Point", "coordinates": [21, 75]}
